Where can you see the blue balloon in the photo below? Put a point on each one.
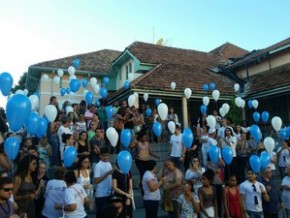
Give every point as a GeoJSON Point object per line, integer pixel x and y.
{"type": "Point", "coordinates": [32, 123]}
{"type": "Point", "coordinates": [265, 159]}
{"type": "Point", "coordinates": [126, 85]}
{"type": "Point", "coordinates": [250, 104]}
{"type": "Point", "coordinates": [157, 102]}
{"type": "Point", "coordinates": [148, 112]}
{"type": "Point", "coordinates": [84, 83]}
{"type": "Point", "coordinates": [62, 91]}
{"type": "Point", "coordinates": [187, 137]}
{"type": "Point", "coordinates": [18, 109]}
{"type": "Point", "coordinates": [126, 137]}
{"type": "Point", "coordinates": [76, 63]}
{"type": "Point", "coordinates": [288, 131]}
{"type": "Point", "coordinates": [227, 155]}
{"type": "Point", "coordinates": [42, 127]}
{"type": "Point", "coordinates": [213, 153]}
{"type": "Point", "coordinates": [68, 90]}
{"type": "Point", "coordinates": [256, 116]}
{"type": "Point", "coordinates": [256, 132]}
{"type": "Point", "coordinates": [283, 134]}
{"type": "Point", "coordinates": [205, 87]}
{"type": "Point", "coordinates": [203, 109]}
{"type": "Point", "coordinates": [69, 156]}
{"type": "Point", "coordinates": [157, 129]}
{"type": "Point", "coordinates": [74, 85]}
{"type": "Point", "coordinates": [106, 80]}
{"type": "Point", "coordinates": [103, 92]}
{"type": "Point", "coordinates": [11, 147]}
{"type": "Point", "coordinates": [255, 163]}
{"type": "Point", "coordinates": [6, 82]}
{"type": "Point", "coordinates": [109, 112]}
{"type": "Point", "coordinates": [212, 86]}
{"type": "Point", "coordinates": [265, 116]}
{"type": "Point", "coordinates": [124, 161]}
{"type": "Point", "coordinates": [89, 97]}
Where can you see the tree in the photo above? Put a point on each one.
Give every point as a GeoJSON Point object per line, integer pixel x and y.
{"type": "Point", "coordinates": [21, 83]}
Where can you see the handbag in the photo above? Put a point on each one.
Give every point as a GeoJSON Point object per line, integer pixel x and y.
{"type": "Point", "coordinates": [166, 204]}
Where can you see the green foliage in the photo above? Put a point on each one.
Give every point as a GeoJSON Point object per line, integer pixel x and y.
{"type": "Point", "coordinates": [21, 83]}
{"type": "Point", "coordinates": [235, 113]}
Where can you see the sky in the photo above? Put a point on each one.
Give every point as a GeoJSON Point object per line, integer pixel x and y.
{"type": "Point", "coordinates": [34, 31]}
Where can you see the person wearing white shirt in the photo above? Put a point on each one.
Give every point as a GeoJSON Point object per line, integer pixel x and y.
{"type": "Point", "coordinates": [205, 144]}
{"type": "Point", "coordinates": [229, 140]}
{"type": "Point", "coordinates": [283, 155]}
{"type": "Point", "coordinates": [64, 128]}
{"type": "Point", "coordinates": [103, 179]}
{"type": "Point", "coordinates": [286, 191]}
{"type": "Point", "coordinates": [54, 194]}
{"type": "Point", "coordinates": [252, 193]}
{"type": "Point", "coordinates": [75, 198]}
{"type": "Point", "coordinates": [177, 150]}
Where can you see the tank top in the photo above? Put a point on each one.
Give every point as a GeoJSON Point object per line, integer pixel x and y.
{"type": "Point", "coordinates": [84, 180]}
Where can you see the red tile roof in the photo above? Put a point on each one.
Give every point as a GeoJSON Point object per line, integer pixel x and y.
{"type": "Point", "coordinates": [97, 62]}
{"type": "Point", "coordinates": [229, 50]}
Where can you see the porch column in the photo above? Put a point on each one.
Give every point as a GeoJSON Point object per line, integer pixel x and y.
{"type": "Point", "coordinates": [184, 112]}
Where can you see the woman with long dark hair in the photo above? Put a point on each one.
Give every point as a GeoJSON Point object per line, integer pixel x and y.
{"type": "Point", "coordinates": [25, 181]}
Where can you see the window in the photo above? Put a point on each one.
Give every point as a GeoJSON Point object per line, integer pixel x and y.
{"type": "Point", "coordinates": [128, 70]}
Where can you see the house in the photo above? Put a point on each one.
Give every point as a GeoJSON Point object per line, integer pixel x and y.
{"type": "Point", "coordinates": [95, 64]}
{"type": "Point", "coordinates": [262, 75]}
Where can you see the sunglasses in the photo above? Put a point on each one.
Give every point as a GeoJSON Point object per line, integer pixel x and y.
{"type": "Point", "coordinates": [254, 188]}
{"type": "Point", "coordinates": [7, 189]}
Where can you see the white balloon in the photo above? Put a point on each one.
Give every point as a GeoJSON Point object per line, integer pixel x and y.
{"type": "Point", "coordinates": [255, 104]}
{"type": "Point", "coordinates": [130, 77]}
{"type": "Point", "coordinates": [226, 107]}
{"type": "Point", "coordinates": [56, 80]}
{"type": "Point", "coordinates": [93, 81]}
{"type": "Point", "coordinates": [45, 77]}
{"type": "Point", "coordinates": [171, 126]}
{"type": "Point", "coordinates": [236, 87]}
{"type": "Point", "coordinates": [71, 94]}
{"type": "Point", "coordinates": [25, 91]}
{"type": "Point", "coordinates": [242, 103]}
{"type": "Point", "coordinates": [131, 100]}
{"type": "Point", "coordinates": [211, 121]}
{"type": "Point", "coordinates": [112, 135]}
{"type": "Point", "coordinates": [216, 94]}
{"type": "Point", "coordinates": [96, 88]}
{"type": "Point", "coordinates": [145, 96]}
{"type": "Point", "coordinates": [60, 72]}
{"type": "Point", "coordinates": [269, 144]}
{"type": "Point", "coordinates": [173, 85]}
{"type": "Point", "coordinates": [276, 123]}
{"type": "Point", "coordinates": [238, 101]}
{"type": "Point", "coordinates": [162, 111]}
{"type": "Point", "coordinates": [50, 112]}
{"type": "Point", "coordinates": [69, 109]}
{"type": "Point", "coordinates": [71, 70]}
{"type": "Point", "coordinates": [34, 102]}
{"type": "Point", "coordinates": [136, 95]}
{"type": "Point", "coordinates": [187, 92]}
{"type": "Point", "coordinates": [222, 112]}
{"type": "Point", "coordinates": [205, 100]}
{"type": "Point", "coordinates": [19, 91]}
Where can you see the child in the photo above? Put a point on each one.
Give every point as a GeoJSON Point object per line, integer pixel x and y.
{"type": "Point", "coordinates": [188, 202]}
{"type": "Point", "coordinates": [232, 199]}
{"type": "Point", "coordinates": [81, 124]}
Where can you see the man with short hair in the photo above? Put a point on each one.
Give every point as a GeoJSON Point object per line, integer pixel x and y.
{"type": "Point", "coordinates": [177, 150]}
{"type": "Point", "coordinates": [6, 206]}
{"type": "Point", "coordinates": [252, 193]}
{"type": "Point", "coordinates": [64, 128]}
{"type": "Point", "coordinates": [271, 207]}
{"type": "Point", "coordinates": [103, 178]}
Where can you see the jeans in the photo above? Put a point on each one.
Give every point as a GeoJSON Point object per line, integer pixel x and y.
{"type": "Point", "coordinates": [253, 214]}
{"type": "Point", "coordinates": [151, 208]}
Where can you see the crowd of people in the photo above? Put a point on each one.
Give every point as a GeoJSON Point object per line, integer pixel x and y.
{"type": "Point", "coordinates": [189, 184]}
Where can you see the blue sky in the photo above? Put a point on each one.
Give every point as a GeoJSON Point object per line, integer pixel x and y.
{"type": "Point", "coordinates": [33, 31]}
